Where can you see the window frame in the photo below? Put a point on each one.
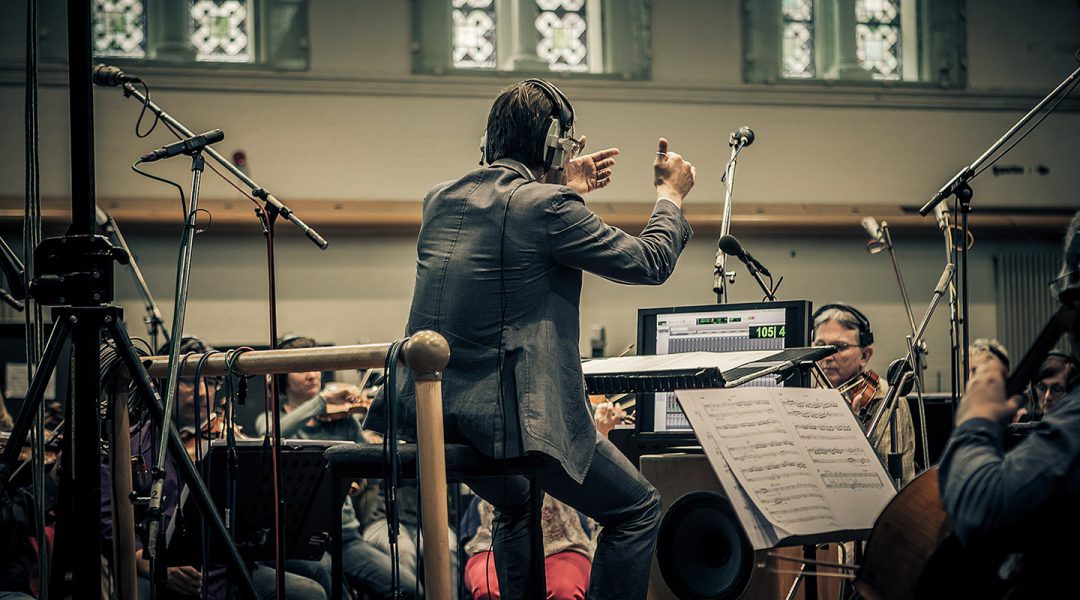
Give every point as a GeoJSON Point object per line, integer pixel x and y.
{"type": "Point", "coordinates": [281, 38]}
{"type": "Point", "coordinates": [940, 39]}
{"type": "Point", "coordinates": [624, 51]}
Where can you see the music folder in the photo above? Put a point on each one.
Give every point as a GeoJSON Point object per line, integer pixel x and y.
{"type": "Point", "coordinates": [794, 462]}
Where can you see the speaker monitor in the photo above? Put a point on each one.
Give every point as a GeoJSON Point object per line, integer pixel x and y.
{"type": "Point", "coordinates": [702, 551]}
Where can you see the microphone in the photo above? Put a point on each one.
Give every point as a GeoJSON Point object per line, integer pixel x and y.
{"type": "Point", "coordinates": [186, 146]}
{"type": "Point", "coordinates": [871, 226]}
{"type": "Point", "coordinates": [877, 241]}
{"type": "Point", "coordinates": [942, 216]}
{"type": "Point", "coordinates": [743, 137]}
{"type": "Point", "coordinates": [730, 245]}
{"type": "Point", "coordinates": [107, 76]}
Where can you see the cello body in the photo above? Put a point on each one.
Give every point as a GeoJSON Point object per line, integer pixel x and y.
{"type": "Point", "coordinates": [912, 553]}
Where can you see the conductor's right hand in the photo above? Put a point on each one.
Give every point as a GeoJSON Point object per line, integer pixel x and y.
{"type": "Point", "coordinates": [673, 176]}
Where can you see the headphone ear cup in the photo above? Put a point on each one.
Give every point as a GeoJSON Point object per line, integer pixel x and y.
{"type": "Point", "coordinates": [549, 146]}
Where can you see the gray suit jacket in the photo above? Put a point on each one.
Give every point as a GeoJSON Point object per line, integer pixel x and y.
{"type": "Point", "coordinates": [498, 273]}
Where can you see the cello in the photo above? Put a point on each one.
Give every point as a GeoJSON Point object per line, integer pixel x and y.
{"type": "Point", "coordinates": [912, 551]}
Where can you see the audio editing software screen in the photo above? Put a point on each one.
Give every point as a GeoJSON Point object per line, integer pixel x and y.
{"type": "Point", "coordinates": [714, 331]}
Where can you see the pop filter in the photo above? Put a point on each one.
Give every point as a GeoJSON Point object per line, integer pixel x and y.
{"type": "Point", "coordinates": [702, 551]}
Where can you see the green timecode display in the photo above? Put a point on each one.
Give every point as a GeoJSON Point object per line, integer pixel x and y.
{"type": "Point", "coordinates": [768, 331]}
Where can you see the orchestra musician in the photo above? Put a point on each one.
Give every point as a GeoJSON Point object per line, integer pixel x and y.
{"type": "Point", "coordinates": [501, 253]}
{"type": "Point", "coordinates": [847, 328]}
{"type": "Point", "coordinates": [1057, 377]}
{"type": "Point", "coordinates": [310, 411]}
{"type": "Point", "coordinates": [1023, 502]}
{"type": "Point", "coordinates": [189, 580]}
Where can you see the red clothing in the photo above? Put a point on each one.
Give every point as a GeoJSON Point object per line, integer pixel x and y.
{"type": "Point", "coordinates": [567, 575]}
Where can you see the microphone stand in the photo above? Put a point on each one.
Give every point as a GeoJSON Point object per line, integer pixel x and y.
{"type": "Point", "coordinates": [273, 208]}
{"type": "Point", "coordinates": [952, 255]}
{"type": "Point", "coordinates": [156, 536]}
{"type": "Point", "coordinates": [960, 187]}
{"type": "Point", "coordinates": [256, 190]}
{"type": "Point", "coordinates": [918, 351]}
{"type": "Point", "coordinates": [888, 406]}
{"type": "Point", "coordinates": [153, 318]}
{"type": "Point", "coordinates": [770, 294]}
{"type": "Point", "coordinates": [722, 278]}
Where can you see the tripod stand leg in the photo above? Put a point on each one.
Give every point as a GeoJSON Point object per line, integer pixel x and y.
{"type": "Point", "coordinates": [188, 473]}
{"type": "Point", "coordinates": [35, 393]}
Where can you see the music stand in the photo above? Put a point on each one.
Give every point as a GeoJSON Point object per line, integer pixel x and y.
{"type": "Point", "coordinates": [251, 518]}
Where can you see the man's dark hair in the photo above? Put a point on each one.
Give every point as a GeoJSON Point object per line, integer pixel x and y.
{"type": "Point", "coordinates": [517, 124]}
{"type": "Point", "coordinates": [1057, 363]}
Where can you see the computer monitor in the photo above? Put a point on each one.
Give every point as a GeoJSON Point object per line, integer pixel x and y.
{"type": "Point", "coordinates": [714, 328]}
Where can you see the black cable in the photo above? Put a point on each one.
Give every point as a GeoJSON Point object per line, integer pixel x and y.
{"type": "Point", "coordinates": [392, 465]}
{"type": "Point", "coordinates": [33, 317]}
{"type": "Point", "coordinates": [1034, 125]}
{"type": "Point", "coordinates": [204, 464]}
{"type": "Point", "coordinates": [145, 107]}
{"type": "Point", "coordinates": [183, 201]}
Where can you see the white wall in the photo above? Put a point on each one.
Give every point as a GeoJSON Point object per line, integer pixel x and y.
{"type": "Point", "coordinates": [359, 126]}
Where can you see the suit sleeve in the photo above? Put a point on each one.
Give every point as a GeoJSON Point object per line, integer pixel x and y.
{"type": "Point", "coordinates": [580, 239]}
{"type": "Point", "coordinates": [993, 497]}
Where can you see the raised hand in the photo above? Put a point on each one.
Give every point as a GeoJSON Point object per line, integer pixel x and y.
{"type": "Point", "coordinates": [591, 172]}
{"type": "Point", "coordinates": [673, 176]}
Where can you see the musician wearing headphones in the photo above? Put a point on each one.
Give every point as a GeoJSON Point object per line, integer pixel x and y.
{"type": "Point", "coordinates": [501, 253]}
{"type": "Point", "coordinates": [847, 328]}
{"type": "Point", "coordinates": [1024, 501]}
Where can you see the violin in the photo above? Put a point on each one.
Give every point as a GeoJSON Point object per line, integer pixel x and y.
{"type": "Point", "coordinates": [356, 400]}
{"type": "Point", "coordinates": [212, 429]}
{"type": "Point", "coordinates": [860, 389]}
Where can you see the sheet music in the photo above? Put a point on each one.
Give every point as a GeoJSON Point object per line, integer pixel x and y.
{"type": "Point", "coordinates": [797, 455]}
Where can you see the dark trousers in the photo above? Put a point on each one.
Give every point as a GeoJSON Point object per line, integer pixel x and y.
{"type": "Point", "coordinates": [614, 494]}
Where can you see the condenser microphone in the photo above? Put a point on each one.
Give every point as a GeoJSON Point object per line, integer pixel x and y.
{"type": "Point", "coordinates": [941, 215]}
{"type": "Point", "coordinates": [871, 226]}
{"type": "Point", "coordinates": [185, 146]}
{"type": "Point", "coordinates": [731, 246]}
{"type": "Point", "coordinates": [744, 136]}
{"type": "Point", "coordinates": [108, 76]}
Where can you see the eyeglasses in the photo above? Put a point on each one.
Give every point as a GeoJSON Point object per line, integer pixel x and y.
{"type": "Point", "coordinates": [840, 346]}
{"type": "Point", "coordinates": [1055, 389]}
{"type": "Point", "coordinates": [573, 146]}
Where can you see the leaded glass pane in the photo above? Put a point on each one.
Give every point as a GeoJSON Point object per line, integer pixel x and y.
{"type": "Point", "coordinates": [877, 37]}
{"type": "Point", "coordinates": [798, 36]}
{"type": "Point", "coordinates": [562, 29]}
{"type": "Point", "coordinates": [120, 28]}
{"type": "Point", "coordinates": [474, 34]}
{"type": "Point", "coordinates": [221, 30]}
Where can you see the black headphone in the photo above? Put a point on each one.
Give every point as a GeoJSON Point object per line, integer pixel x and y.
{"type": "Point", "coordinates": [866, 334]}
{"type": "Point", "coordinates": [554, 145]}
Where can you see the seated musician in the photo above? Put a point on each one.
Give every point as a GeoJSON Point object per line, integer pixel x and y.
{"type": "Point", "coordinates": [185, 580]}
{"type": "Point", "coordinates": [848, 329]}
{"type": "Point", "coordinates": [1057, 377]}
{"type": "Point", "coordinates": [1024, 501]}
{"type": "Point", "coordinates": [305, 408]}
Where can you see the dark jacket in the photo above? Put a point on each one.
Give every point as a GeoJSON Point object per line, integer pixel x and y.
{"type": "Point", "coordinates": [1025, 501]}
{"type": "Point", "coordinates": [499, 263]}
